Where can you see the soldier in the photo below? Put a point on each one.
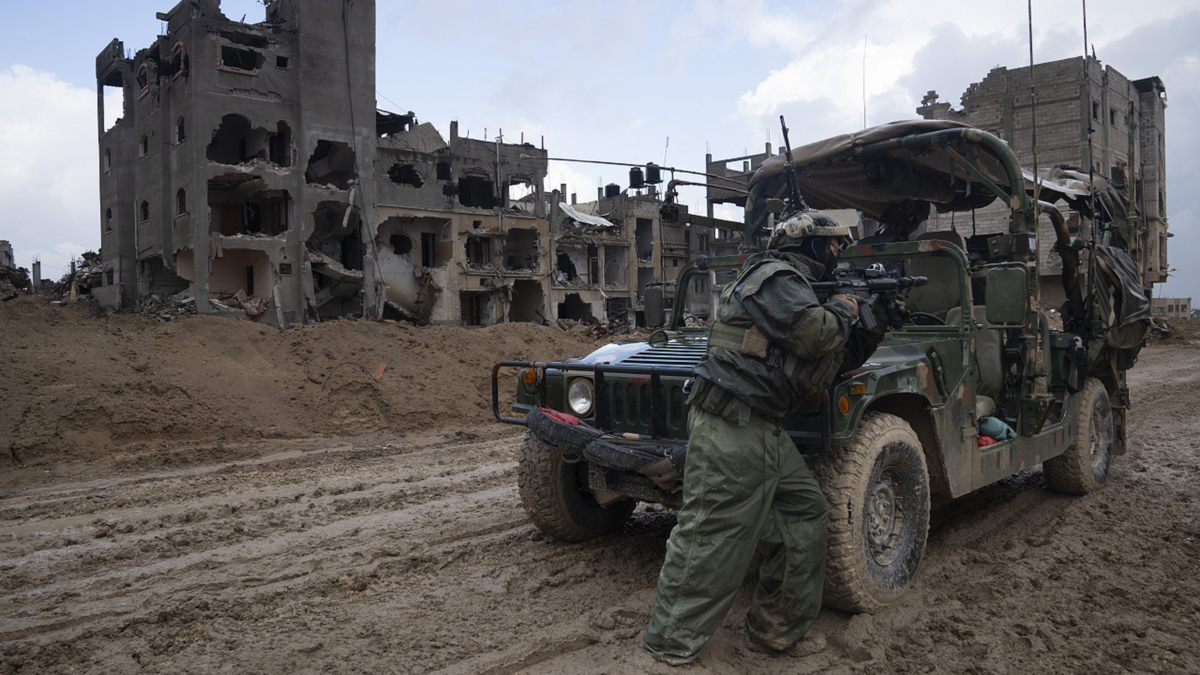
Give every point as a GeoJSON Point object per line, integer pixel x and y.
{"type": "Point", "coordinates": [745, 484]}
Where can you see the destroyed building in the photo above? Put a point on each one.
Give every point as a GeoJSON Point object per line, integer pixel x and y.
{"type": "Point", "coordinates": [239, 153]}
{"type": "Point", "coordinates": [1088, 116]}
{"type": "Point", "coordinates": [250, 160]}
{"type": "Point", "coordinates": [251, 169]}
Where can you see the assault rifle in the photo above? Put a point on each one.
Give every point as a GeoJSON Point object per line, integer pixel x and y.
{"type": "Point", "coordinates": [871, 283]}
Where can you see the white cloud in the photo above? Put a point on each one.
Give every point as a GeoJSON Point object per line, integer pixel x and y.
{"type": "Point", "coordinates": [49, 196]}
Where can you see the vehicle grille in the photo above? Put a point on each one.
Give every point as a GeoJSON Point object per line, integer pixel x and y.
{"type": "Point", "coordinates": [677, 418]}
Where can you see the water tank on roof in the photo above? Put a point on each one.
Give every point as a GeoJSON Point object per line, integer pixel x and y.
{"type": "Point", "coordinates": [636, 182]}
{"type": "Point", "coordinates": [611, 190]}
{"type": "Point", "coordinates": [653, 176]}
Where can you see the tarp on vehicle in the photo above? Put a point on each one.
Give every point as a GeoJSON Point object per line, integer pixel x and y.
{"type": "Point", "coordinates": [1120, 306]}
{"type": "Point", "coordinates": [833, 177]}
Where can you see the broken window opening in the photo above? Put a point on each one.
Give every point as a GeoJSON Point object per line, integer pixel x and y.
{"type": "Point", "coordinates": [235, 141]}
{"type": "Point", "coordinates": [239, 269]}
{"type": "Point", "coordinates": [145, 211]}
{"type": "Point", "coordinates": [573, 307]}
{"type": "Point", "coordinates": [241, 59]}
{"type": "Point", "coordinates": [527, 302]}
{"type": "Point", "coordinates": [107, 160]}
{"type": "Point", "coordinates": [160, 279]}
{"type": "Point", "coordinates": [336, 251]}
{"type": "Point", "coordinates": [401, 244]}
{"type": "Point", "coordinates": [112, 104]}
{"type": "Point", "coordinates": [519, 195]}
{"type": "Point", "coordinates": [521, 249]}
{"type": "Point", "coordinates": [241, 204]}
{"type": "Point", "coordinates": [615, 266]}
{"type": "Point", "coordinates": [405, 174]}
{"type": "Point", "coordinates": [565, 269]}
{"type": "Point", "coordinates": [475, 308]}
{"type": "Point", "coordinates": [476, 192]}
{"type": "Point", "coordinates": [479, 250]}
{"type": "Point", "coordinates": [419, 242]}
{"type": "Point", "coordinates": [109, 276]}
{"type": "Point", "coordinates": [443, 171]}
{"type": "Point", "coordinates": [143, 79]}
{"type": "Point", "coordinates": [593, 265]}
{"type": "Point", "coordinates": [618, 309]}
{"type": "Point", "coordinates": [280, 145]}
{"type": "Point", "coordinates": [644, 238]}
{"type": "Point", "coordinates": [428, 249]}
{"type": "Point", "coordinates": [143, 146]}
{"type": "Point", "coordinates": [180, 131]}
{"type": "Point", "coordinates": [332, 164]}
{"type": "Point", "coordinates": [281, 62]}
{"type": "Point", "coordinates": [108, 220]}
{"type": "Point", "coordinates": [180, 202]}
{"type": "Point", "coordinates": [179, 61]}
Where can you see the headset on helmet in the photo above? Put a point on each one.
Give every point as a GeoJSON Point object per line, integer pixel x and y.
{"type": "Point", "coordinates": [802, 225]}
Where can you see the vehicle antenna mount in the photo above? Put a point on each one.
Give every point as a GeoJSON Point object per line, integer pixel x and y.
{"type": "Point", "coordinates": [789, 170]}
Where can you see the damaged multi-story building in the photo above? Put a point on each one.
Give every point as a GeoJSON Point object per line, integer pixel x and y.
{"type": "Point", "coordinates": [1089, 119]}
{"type": "Point", "coordinates": [251, 168]}
{"type": "Point", "coordinates": [250, 160]}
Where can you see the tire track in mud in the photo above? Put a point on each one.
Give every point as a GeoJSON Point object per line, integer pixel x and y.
{"type": "Point", "coordinates": [231, 531]}
{"type": "Point", "coordinates": [413, 556]}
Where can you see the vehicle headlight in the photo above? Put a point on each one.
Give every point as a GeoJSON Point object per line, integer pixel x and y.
{"type": "Point", "coordinates": [580, 396]}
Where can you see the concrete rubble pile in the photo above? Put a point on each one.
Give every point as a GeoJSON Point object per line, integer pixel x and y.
{"type": "Point", "coordinates": [13, 280]}
{"type": "Point", "coordinates": [88, 274]}
{"type": "Point", "coordinates": [165, 309]}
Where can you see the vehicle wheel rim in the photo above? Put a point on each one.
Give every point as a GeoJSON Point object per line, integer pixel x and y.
{"type": "Point", "coordinates": [881, 517]}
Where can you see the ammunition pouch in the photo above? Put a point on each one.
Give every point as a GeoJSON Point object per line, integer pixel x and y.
{"type": "Point", "coordinates": [717, 400]}
{"type": "Point", "coordinates": [808, 376]}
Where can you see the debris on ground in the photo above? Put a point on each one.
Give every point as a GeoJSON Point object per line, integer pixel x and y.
{"type": "Point", "coordinates": [13, 280]}
{"type": "Point", "coordinates": [88, 273]}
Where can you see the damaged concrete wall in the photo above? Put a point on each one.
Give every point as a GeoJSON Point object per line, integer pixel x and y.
{"type": "Point", "coordinates": [224, 147]}
{"type": "Point", "coordinates": [454, 248]}
{"type": "Point", "coordinates": [1074, 96]}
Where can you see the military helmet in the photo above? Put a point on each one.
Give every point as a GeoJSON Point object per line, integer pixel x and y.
{"type": "Point", "coordinates": [802, 225]}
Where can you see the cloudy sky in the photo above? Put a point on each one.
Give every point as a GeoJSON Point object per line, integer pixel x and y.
{"type": "Point", "coordinates": [620, 80]}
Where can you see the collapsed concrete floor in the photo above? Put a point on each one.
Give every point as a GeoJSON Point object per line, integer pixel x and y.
{"type": "Point", "coordinates": [362, 542]}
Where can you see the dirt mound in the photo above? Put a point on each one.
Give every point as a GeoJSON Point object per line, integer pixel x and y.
{"type": "Point", "coordinates": [76, 388]}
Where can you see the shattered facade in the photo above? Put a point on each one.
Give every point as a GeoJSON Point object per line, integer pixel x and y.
{"type": "Point", "coordinates": [461, 225]}
{"type": "Point", "coordinates": [239, 150]}
{"type": "Point", "coordinates": [251, 169]}
{"type": "Point", "coordinates": [1074, 97]}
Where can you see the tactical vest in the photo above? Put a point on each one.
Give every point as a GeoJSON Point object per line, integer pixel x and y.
{"type": "Point", "coordinates": [734, 330]}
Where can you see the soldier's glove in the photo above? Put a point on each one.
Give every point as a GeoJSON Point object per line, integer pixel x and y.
{"type": "Point", "coordinates": [879, 310]}
{"type": "Point", "coordinates": [850, 301]}
{"type": "Point", "coordinates": [902, 308]}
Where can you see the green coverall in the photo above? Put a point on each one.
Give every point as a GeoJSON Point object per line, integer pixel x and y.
{"type": "Point", "coordinates": [745, 486]}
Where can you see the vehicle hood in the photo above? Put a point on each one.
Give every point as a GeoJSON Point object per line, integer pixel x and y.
{"type": "Point", "coordinates": [684, 351]}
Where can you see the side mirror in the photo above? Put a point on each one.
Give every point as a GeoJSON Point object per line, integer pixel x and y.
{"type": "Point", "coordinates": [1007, 297]}
{"type": "Point", "coordinates": [775, 206]}
{"type": "Point", "coordinates": [652, 303]}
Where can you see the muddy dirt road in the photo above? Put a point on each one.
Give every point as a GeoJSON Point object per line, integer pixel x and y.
{"type": "Point", "coordinates": [410, 554]}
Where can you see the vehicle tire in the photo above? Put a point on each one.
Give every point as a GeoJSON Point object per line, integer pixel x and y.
{"type": "Point", "coordinates": [878, 493]}
{"type": "Point", "coordinates": [550, 492]}
{"type": "Point", "coordinates": [1083, 468]}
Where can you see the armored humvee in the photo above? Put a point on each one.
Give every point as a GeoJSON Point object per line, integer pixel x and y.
{"type": "Point", "coordinates": [975, 385]}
